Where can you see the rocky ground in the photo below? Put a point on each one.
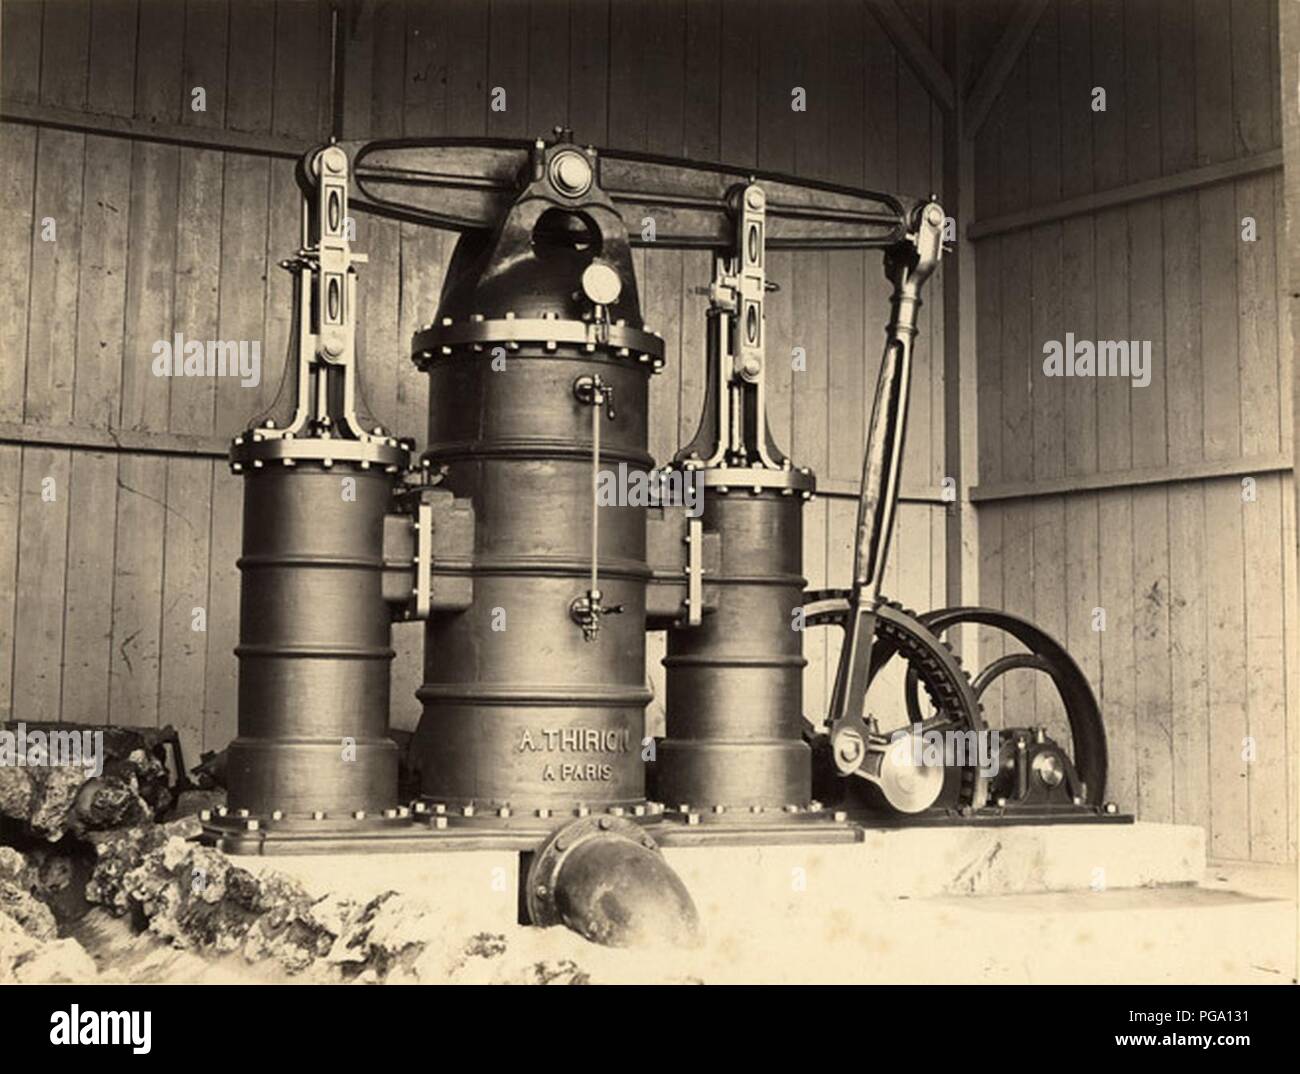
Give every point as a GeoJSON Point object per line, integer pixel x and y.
{"type": "Point", "coordinates": [103, 880]}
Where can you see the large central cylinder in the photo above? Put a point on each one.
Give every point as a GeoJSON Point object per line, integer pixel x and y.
{"type": "Point", "coordinates": [526, 714]}
{"type": "Point", "coordinates": [519, 710]}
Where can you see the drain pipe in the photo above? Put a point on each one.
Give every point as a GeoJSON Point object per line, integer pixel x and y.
{"type": "Point", "coordinates": [606, 879]}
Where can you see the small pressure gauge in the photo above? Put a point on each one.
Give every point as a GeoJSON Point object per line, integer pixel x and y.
{"type": "Point", "coordinates": [600, 283]}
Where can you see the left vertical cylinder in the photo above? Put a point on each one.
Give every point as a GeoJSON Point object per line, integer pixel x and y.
{"type": "Point", "coordinates": [315, 643]}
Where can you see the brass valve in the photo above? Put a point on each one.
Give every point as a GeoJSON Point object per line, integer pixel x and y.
{"type": "Point", "coordinates": [587, 611]}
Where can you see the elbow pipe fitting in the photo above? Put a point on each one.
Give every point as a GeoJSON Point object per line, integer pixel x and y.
{"type": "Point", "coordinates": [606, 879]}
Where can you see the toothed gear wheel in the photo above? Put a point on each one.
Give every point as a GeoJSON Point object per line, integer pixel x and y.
{"type": "Point", "coordinates": [931, 663]}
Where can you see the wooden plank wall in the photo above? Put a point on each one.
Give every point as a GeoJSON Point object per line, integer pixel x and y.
{"type": "Point", "coordinates": [97, 587]}
{"type": "Point", "coordinates": [1198, 587]}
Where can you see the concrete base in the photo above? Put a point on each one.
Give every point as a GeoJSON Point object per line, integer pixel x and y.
{"type": "Point", "coordinates": [1082, 903]}
{"type": "Point", "coordinates": [481, 887]}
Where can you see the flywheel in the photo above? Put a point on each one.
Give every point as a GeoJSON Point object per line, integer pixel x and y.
{"type": "Point", "coordinates": [954, 711]}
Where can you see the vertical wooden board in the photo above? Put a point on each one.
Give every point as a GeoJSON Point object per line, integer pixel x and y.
{"type": "Point", "coordinates": [20, 75]}
{"type": "Point", "coordinates": [360, 71]}
{"type": "Point", "coordinates": [1254, 89]}
{"type": "Point", "coordinates": [914, 554]}
{"type": "Point", "coordinates": [1189, 658]}
{"type": "Point", "coordinates": [423, 101]}
{"type": "Point", "coordinates": [1017, 363]}
{"type": "Point", "coordinates": [547, 102]}
{"type": "Point", "coordinates": [10, 507]}
{"type": "Point", "coordinates": [1049, 608]}
{"type": "Point", "coordinates": [1047, 319]}
{"type": "Point", "coordinates": [663, 54]}
{"type": "Point", "coordinates": [200, 188]}
{"type": "Point", "coordinates": [1218, 230]}
{"type": "Point", "coordinates": [1291, 628]}
{"type": "Point", "coordinates": [1145, 252]}
{"type": "Point", "coordinates": [846, 418]}
{"type": "Point", "coordinates": [1214, 105]}
{"type": "Point", "coordinates": [1177, 66]}
{"type": "Point", "coordinates": [55, 265]}
{"type": "Point", "coordinates": [17, 190]}
{"type": "Point", "coordinates": [1076, 86]}
{"type": "Point", "coordinates": [1265, 681]}
{"type": "Point", "coordinates": [424, 94]}
{"type": "Point", "coordinates": [1115, 545]}
{"type": "Point", "coordinates": [106, 194]}
{"type": "Point", "coordinates": [1225, 598]}
{"type": "Point", "coordinates": [42, 570]}
{"type": "Point", "coordinates": [242, 298]}
{"type": "Point", "coordinates": [252, 60]}
{"type": "Point", "coordinates": [1151, 654]}
{"type": "Point", "coordinates": [182, 649]}
{"type": "Point", "coordinates": [278, 310]}
{"type": "Point", "coordinates": [380, 349]}
{"type": "Point", "coordinates": [508, 70]}
{"type": "Point", "coordinates": [1287, 329]}
{"type": "Point", "coordinates": [65, 44]}
{"type": "Point", "coordinates": [220, 686]}
{"type": "Point", "coordinates": [137, 584]}
{"type": "Point", "coordinates": [88, 605]}
{"type": "Point", "coordinates": [150, 279]}
{"type": "Point", "coordinates": [740, 123]}
{"type": "Point", "coordinates": [296, 96]}
{"type": "Point", "coordinates": [1078, 307]}
{"type": "Point", "coordinates": [589, 51]}
{"type": "Point", "coordinates": [700, 141]}
{"type": "Point", "coordinates": [159, 95]}
{"type": "Point", "coordinates": [1043, 49]}
{"type": "Point", "coordinates": [55, 276]}
{"type": "Point", "coordinates": [203, 62]}
{"type": "Point", "coordinates": [1019, 688]}
{"type": "Point", "coordinates": [1262, 402]}
{"type": "Point", "coordinates": [988, 358]}
{"type": "Point", "coordinates": [1182, 330]}
{"type": "Point", "coordinates": [102, 282]}
{"type": "Point", "coordinates": [991, 643]}
{"type": "Point", "coordinates": [1109, 135]}
{"type": "Point", "coordinates": [1219, 242]}
{"type": "Point", "coordinates": [1142, 127]}
{"type": "Point", "coordinates": [466, 24]}
{"type": "Point", "coordinates": [110, 84]}
{"type": "Point", "coordinates": [1111, 265]}
{"type": "Point", "coordinates": [1083, 590]}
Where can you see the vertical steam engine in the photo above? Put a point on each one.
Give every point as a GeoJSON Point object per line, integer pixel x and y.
{"type": "Point", "coordinates": [536, 593]}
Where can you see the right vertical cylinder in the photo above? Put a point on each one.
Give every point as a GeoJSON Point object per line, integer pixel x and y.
{"type": "Point", "coordinates": [734, 684]}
